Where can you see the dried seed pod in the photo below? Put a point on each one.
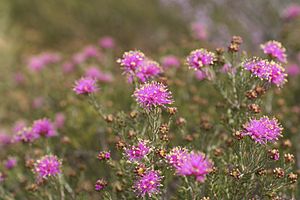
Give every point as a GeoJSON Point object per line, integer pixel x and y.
{"type": "Point", "coordinates": [289, 158]}
{"type": "Point", "coordinates": [254, 108]}
{"type": "Point", "coordinates": [278, 172]}
{"type": "Point", "coordinates": [273, 154]}
{"type": "Point", "coordinates": [292, 177]}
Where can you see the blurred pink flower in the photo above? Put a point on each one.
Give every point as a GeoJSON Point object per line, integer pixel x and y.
{"type": "Point", "coordinates": [38, 62]}
{"type": "Point", "coordinates": [59, 120]}
{"type": "Point", "coordinates": [38, 102]}
{"type": "Point", "coordinates": [107, 42]}
{"type": "Point", "coordinates": [19, 78]}
{"type": "Point", "coordinates": [293, 70]}
{"type": "Point", "coordinates": [170, 61]}
{"type": "Point", "coordinates": [95, 73]}
{"type": "Point", "coordinates": [68, 67]}
{"type": "Point", "coordinates": [199, 30]}
{"type": "Point", "coordinates": [291, 12]}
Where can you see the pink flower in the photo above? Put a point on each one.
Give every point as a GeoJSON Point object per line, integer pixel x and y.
{"type": "Point", "coordinates": [107, 42]}
{"type": "Point", "coordinates": [44, 127]}
{"type": "Point", "coordinates": [176, 156]}
{"type": "Point", "coordinates": [19, 78]}
{"type": "Point", "coordinates": [38, 102]}
{"type": "Point", "coordinates": [59, 120]}
{"type": "Point", "coordinates": [199, 31]}
{"type": "Point", "coordinates": [85, 85]}
{"type": "Point", "coordinates": [39, 62]}
{"type": "Point", "coordinates": [47, 166]}
{"type": "Point", "coordinates": [170, 61]}
{"type": "Point", "coordinates": [194, 164]}
{"type": "Point", "coordinates": [95, 73]}
{"type": "Point", "coordinates": [275, 50]}
{"type": "Point", "coordinates": [131, 60]}
{"type": "Point", "coordinates": [26, 135]}
{"type": "Point", "coordinates": [200, 75]}
{"type": "Point", "coordinates": [153, 94]}
{"type": "Point", "coordinates": [68, 67]}
{"type": "Point", "coordinates": [11, 162]}
{"type": "Point", "coordinates": [100, 184]}
{"type": "Point", "coordinates": [263, 130]}
{"type": "Point", "coordinates": [291, 12]}
{"type": "Point", "coordinates": [270, 71]}
{"type": "Point", "coordinates": [148, 184]}
{"type": "Point", "coordinates": [293, 70]}
{"type": "Point", "coordinates": [136, 153]}
{"type": "Point", "coordinates": [148, 69]}
{"type": "Point", "coordinates": [200, 58]}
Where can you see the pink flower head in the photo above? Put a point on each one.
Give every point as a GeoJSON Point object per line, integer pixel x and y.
{"type": "Point", "coordinates": [291, 12]}
{"type": "Point", "coordinates": [275, 50]}
{"type": "Point", "coordinates": [47, 166]}
{"type": "Point", "coordinates": [5, 138]}
{"type": "Point", "coordinates": [194, 164]}
{"type": "Point", "coordinates": [270, 71]}
{"type": "Point", "coordinates": [148, 184]}
{"type": "Point", "coordinates": [43, 127]}
{"type": "Point", "coordinates": [200, 75]}
{"type": "Point", "coordinates": [103, 155]}
{"type": "Point", "coordinates": [153, 94]}
{"type": "Point", "coordinates": [136, 153]}
{"type": "Point", "coordinates": [59, 121]}
{"type": "Point", "coordinates": [107, 42]}
{"type": "Point", "coordinates": [148, 69]}
{"type": "Point", "coordinates": [85, 85]}
{"type": "Point", "coordinates": [68, 67]}
{"type": "Point", "coordinates": [10, 163]}
{"type": "Point", "coordinates": [19, 78]}
{"type": "Point", "coordinates": [200, 58]}
{"type": "Point", "coordinates": [199, 31]}
{"type": "Point", "coordinates": [170, 61]}
{"type": "Point", "coordinates": [293, 70]}
{"type": "Point", "coordinates": [176, 156]}
{"type": "Point", "coordinates": [26, 135]}
{"type": "Point", "coordinates": [39, 62]}
{"type": "Point", "coordinates": [263, 130]}
{"type": "Point", "coordinates": [95, 73]}
{"type": "Point", "coordinates": [19, 125]}
{"type": "Point", "coordinates": [100, 184]}
{"type": "Point", "coordinates": [91, 52]}
{"type": "Point", "coordinates": [131, 60]}
{"type": "Point", "coordinates": [38, 102]}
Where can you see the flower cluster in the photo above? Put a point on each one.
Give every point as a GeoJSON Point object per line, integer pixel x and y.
{"type": "Point", "coordinates": [137, 65]}
{"type": "Point", "coordinates": [136, 153]}
{"type": "Point", "coordinates": [270, 71]}
{"type": "Point", "coordinates": [43, 127]}
{"type": "Point", "coordinates": [153, 94]}
{"type": "Point", "coordinates": [200, 58]}
{"type": "Point", "coordinates": [85, 85]}
{"type": "Point", "coordinates": [275, 50]}
{"type": "Point", "coordinates": [26, 135]}
{"type": "Point", "coordinates": [263, 130]}
{"type": "Point", "coordinates": [176, 156]}
{"type": "Point", "coordinates": [148, 184]}
{"type": "Point", "coordinates": [39, 62]}
{"type": "Point", "coordinates": [47, 166]}
{"type": "Point", "coordinates": [191, 164]}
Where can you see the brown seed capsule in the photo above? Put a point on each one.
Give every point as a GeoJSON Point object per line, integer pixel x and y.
{"type": "Point", "coordinates": [120, 144]}
{"type": "Point", "coordinates": [237, 39]}
{"type": "Point", "coordinates": [65, 140]}
{"type": "Point", "coordinates": [273, 154]}
{"type": "Point", "coordinates": [164, 129]}
{"type": "Point", "coordinates": [162, 153]}
{"type": "Point", "coordinates": [32, 187]}
{"type": "Point", "coordinates": [235, 173]}
{"type": "Point", "coordinates": [109, 118]}
{"type": "Point", "coordinates": [252, 94]}
{"type": "Point", "coordinates": [205, 198]}
{"type": "Point", "coordinates": [293, 177]}
{"type": "Point", "coordinates": [220, 51]}
{"type": "Point", "coordinates": [180, 121]}
{"type": "Point", "coordinates": [164, 137]}
{"type": "Point", "coordinates": [254, 108]}
{"type": "Point", "coordinates": [131, 133]}
{"type": "Point", "coordinates": [289, 158]}
{"type": "Point", "coordinates": [133, 114]}
{"type": "Point", "coordinates": [278, 172]}
{"type": "Point", "coordinates": [218, 152]}
{"type": "Point", "coordinates": [238, 135]}
{"type": "Point", "coordinates": [140, 170]}
{"type": "Point", "coordinates": [119, 173]}
{"type": "Point", "coordinates": [172, 110]}
{"type": "Point", "coordinates": [260, 90]}
{"type": "Point", "coordinates": [261, 172]}
{"type": "Point", "coordinates": [189, 138]}
{"type": "Point", "coordinates": [287, 143]}
{"type": "Point", "coordinates": [29, 163]}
